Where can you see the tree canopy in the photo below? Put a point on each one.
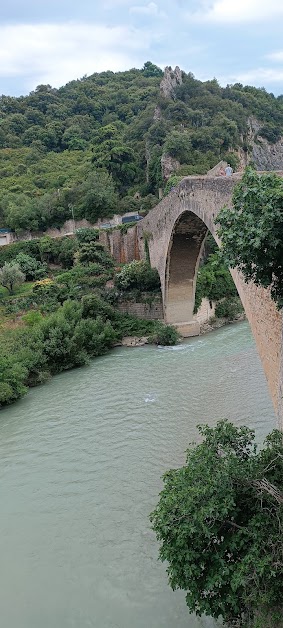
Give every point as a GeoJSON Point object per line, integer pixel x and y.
{"type": "Point", "coordinates": [219, 521]}
{"type": "Point", "coordinates": [251, 232]}
{"type": "Point", "coordinates": [113, 128]}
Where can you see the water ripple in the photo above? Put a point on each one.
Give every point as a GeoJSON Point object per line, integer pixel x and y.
{"type": "Point", "coordinates": [81, 460]}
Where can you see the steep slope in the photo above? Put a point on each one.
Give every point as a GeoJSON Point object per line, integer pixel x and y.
{"type": "Point", "coordinates": [89, 146]}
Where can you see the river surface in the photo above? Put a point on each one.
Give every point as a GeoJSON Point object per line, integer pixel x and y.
{"type": "Point", "coordinates": [80, 465]}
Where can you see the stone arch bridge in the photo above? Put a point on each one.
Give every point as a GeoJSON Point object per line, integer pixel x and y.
{"type": "Point", "coordinates": [175, 231]}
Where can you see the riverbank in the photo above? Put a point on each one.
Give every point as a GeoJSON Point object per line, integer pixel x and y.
{"type": "Point", "coordinates": [217, 323]}
{"type": "Point", "coordinates": [205, 328]}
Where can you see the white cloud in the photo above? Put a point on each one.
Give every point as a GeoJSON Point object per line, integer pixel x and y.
{"type": "Point", "coordinates": [276, 56]}
{"type": "Point", "coordinates": [233, 11]}
{"type": "Point", "coordinates": [260, 76]}
{"type": "Point", "coordinates": [57, 53]}
{"type": "Point", "coordinates": [150, 9]}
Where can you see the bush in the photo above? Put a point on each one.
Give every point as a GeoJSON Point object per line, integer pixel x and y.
{"type": "Point", "coordinates": [31, 267]}
{"type": "Point", "coordinates": [214, 281]}
{"type": "Point", "coordinates": [165, 335]}
{"type": "Point", "coordinates": [32, 318]}
{"type": "Point", "coordinates": [12, 378]}
{"type": "Point", "coordinates": [95, 252]}
{"type": "Point", "coordinates": [172, 182]}
{"type": "Point", "coordinates": [28, 247]}
{"type": "Point", "coordinates": [87, 234]}
{"type": "Point", "coordinates": [137, 275]}
{"type": "Point", "coordinates": [93, 306]}
{"type": "Point", "coordinates": [128, 325]}
{"type": "Point", "coordinates": [229, 308]}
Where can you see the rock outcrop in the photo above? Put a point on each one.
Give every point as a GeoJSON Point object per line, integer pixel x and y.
{"type": "Point", "coordinates": [266, 156]}
{"type": "Point", "coordinates": [171, 80]}
{"type": "Point", "coordinates": [169, 165]}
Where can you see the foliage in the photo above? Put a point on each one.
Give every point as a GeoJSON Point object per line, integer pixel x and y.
{"type": "Point", "coordinates": [137, 275]}
{"type": "Point", "coordinates": [87, 234]}
{"type": "Point", "coordinates": [11, 276]}
{"type": "Point", "coordinates": [93, 306]}
{"type": "Point", "coordinates": [10, 251]}
{"type": "Point", "coordinates": [251, 232]}
{"type": "Point", "coordinates": [32, 318]}
{"type": "Point", "coordinates": [228, 308]}
{"type": "Point", "coordinates": [64, 320]}
{"type": "Point", "coordinates": [219, 521]}
{"type": "Point", "coordinates": [149, 69]}
{"type": "Point", "coordinates": [95, 252]}
{"type": "Point", "coordinates": [214, 281]}
{"type": "Point", "coordinates": [90, 145]}
{"type": "Point", "coordinates": [12, 377]}
{"type": "Point", "coordinates": [165, 335]}
{"type": "Point", "coordinates": [128, 325]}
{"type": "Point", "coordinates": [32, 268]}
{"type": "Point", "coordinates": [172, 182]}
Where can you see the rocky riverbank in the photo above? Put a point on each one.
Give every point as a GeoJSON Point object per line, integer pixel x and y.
{"type": "Point", "coordinates": [205, 328]}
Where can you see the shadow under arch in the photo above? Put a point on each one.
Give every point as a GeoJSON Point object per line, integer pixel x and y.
{"type": "Point", "coordinates": [183, 257]}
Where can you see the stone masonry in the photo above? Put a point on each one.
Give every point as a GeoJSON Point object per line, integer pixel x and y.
{"type": "Point", "coordinates": [175, 231]}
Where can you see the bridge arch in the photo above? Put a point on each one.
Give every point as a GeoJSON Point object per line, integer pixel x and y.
{"type": "Point", "coordinates": [175, 232]}
{"type": "Point", "coordinates": [184, 253]}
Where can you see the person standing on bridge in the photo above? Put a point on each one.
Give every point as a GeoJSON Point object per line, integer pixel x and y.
{"type": "Point", "coordinates": [228, 171]}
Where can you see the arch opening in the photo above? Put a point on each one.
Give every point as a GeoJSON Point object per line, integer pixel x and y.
{"type": "Point", "coordinates": [184, 253]}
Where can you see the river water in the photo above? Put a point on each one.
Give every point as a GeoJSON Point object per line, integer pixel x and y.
{"type": "Point", "coordinates": [80, 465]}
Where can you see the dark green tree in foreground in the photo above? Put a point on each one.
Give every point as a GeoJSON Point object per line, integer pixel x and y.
{"type": "Point", "coordinates": [252, 232]}
{"type": "Point", "coordinates": [220, 520]}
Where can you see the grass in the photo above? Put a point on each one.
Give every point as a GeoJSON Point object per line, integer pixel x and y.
{"type": "Point", "coordinates": [24, 289]}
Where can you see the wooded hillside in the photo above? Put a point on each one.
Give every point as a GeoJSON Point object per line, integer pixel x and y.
{"type": "Point", "coordinates": [92, 144]}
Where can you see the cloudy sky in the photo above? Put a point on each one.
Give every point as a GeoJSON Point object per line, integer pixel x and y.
{"type": "Point", "coordinates": [55, 41]}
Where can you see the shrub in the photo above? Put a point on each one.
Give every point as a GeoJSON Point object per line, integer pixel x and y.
{"type": "Point", "coordinates": [137, 275]}
{"type": "Point", "coordinates": [93, 306]}
{"type": "Point", "coordinates": [95, 252]}
{"type": "Point", "coordinates": [12, 378]}
{"type": "Point", "coordinates": [214, 281]}
{"type": "Point", "coordinates": [172, 182]}
{"type": "Point", "coordinates": [87, 234]}
{"type": "Point", "coordinates": [31, 267]}
{"type": "Point", "coordinates": [128, 325]}
{"type": "Point", "coordinates": [165, 335]}
{"type": "Point", "coordinates": [229, 308]}
{"type": "Point", "coordinates": [32, 318]}
{"type": "Point", "coordinates": [9, 252]}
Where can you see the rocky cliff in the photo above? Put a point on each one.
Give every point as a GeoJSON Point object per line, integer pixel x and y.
{"type": "Point", "coordinates": [266, 156]}
{"type": "Point", "coordinates": [171, 80]}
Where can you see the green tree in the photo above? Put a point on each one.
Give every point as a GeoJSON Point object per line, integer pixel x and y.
{"type": "Point", "coordinates": [219, 520]}
{"type": "Point", "coordinates": [12, 380]}
{"type": "Point", "coordinates": [251, 232]}
{"type": "Point", "coordinates": [95, 252]}
{"type": "Point", "coordinates": [178, 144]}
{"type": "Point", "coordinates": [11, 276]}
{"type": "Point", "coordinates": [97, 197]}
{"type": "Point", "coordinates": [32, 268]}
{"type": "Point", "coordinates": [149, 69]}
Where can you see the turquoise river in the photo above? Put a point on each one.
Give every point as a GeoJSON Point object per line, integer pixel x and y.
{"type": "Point", "coordinates": [80, 464]}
